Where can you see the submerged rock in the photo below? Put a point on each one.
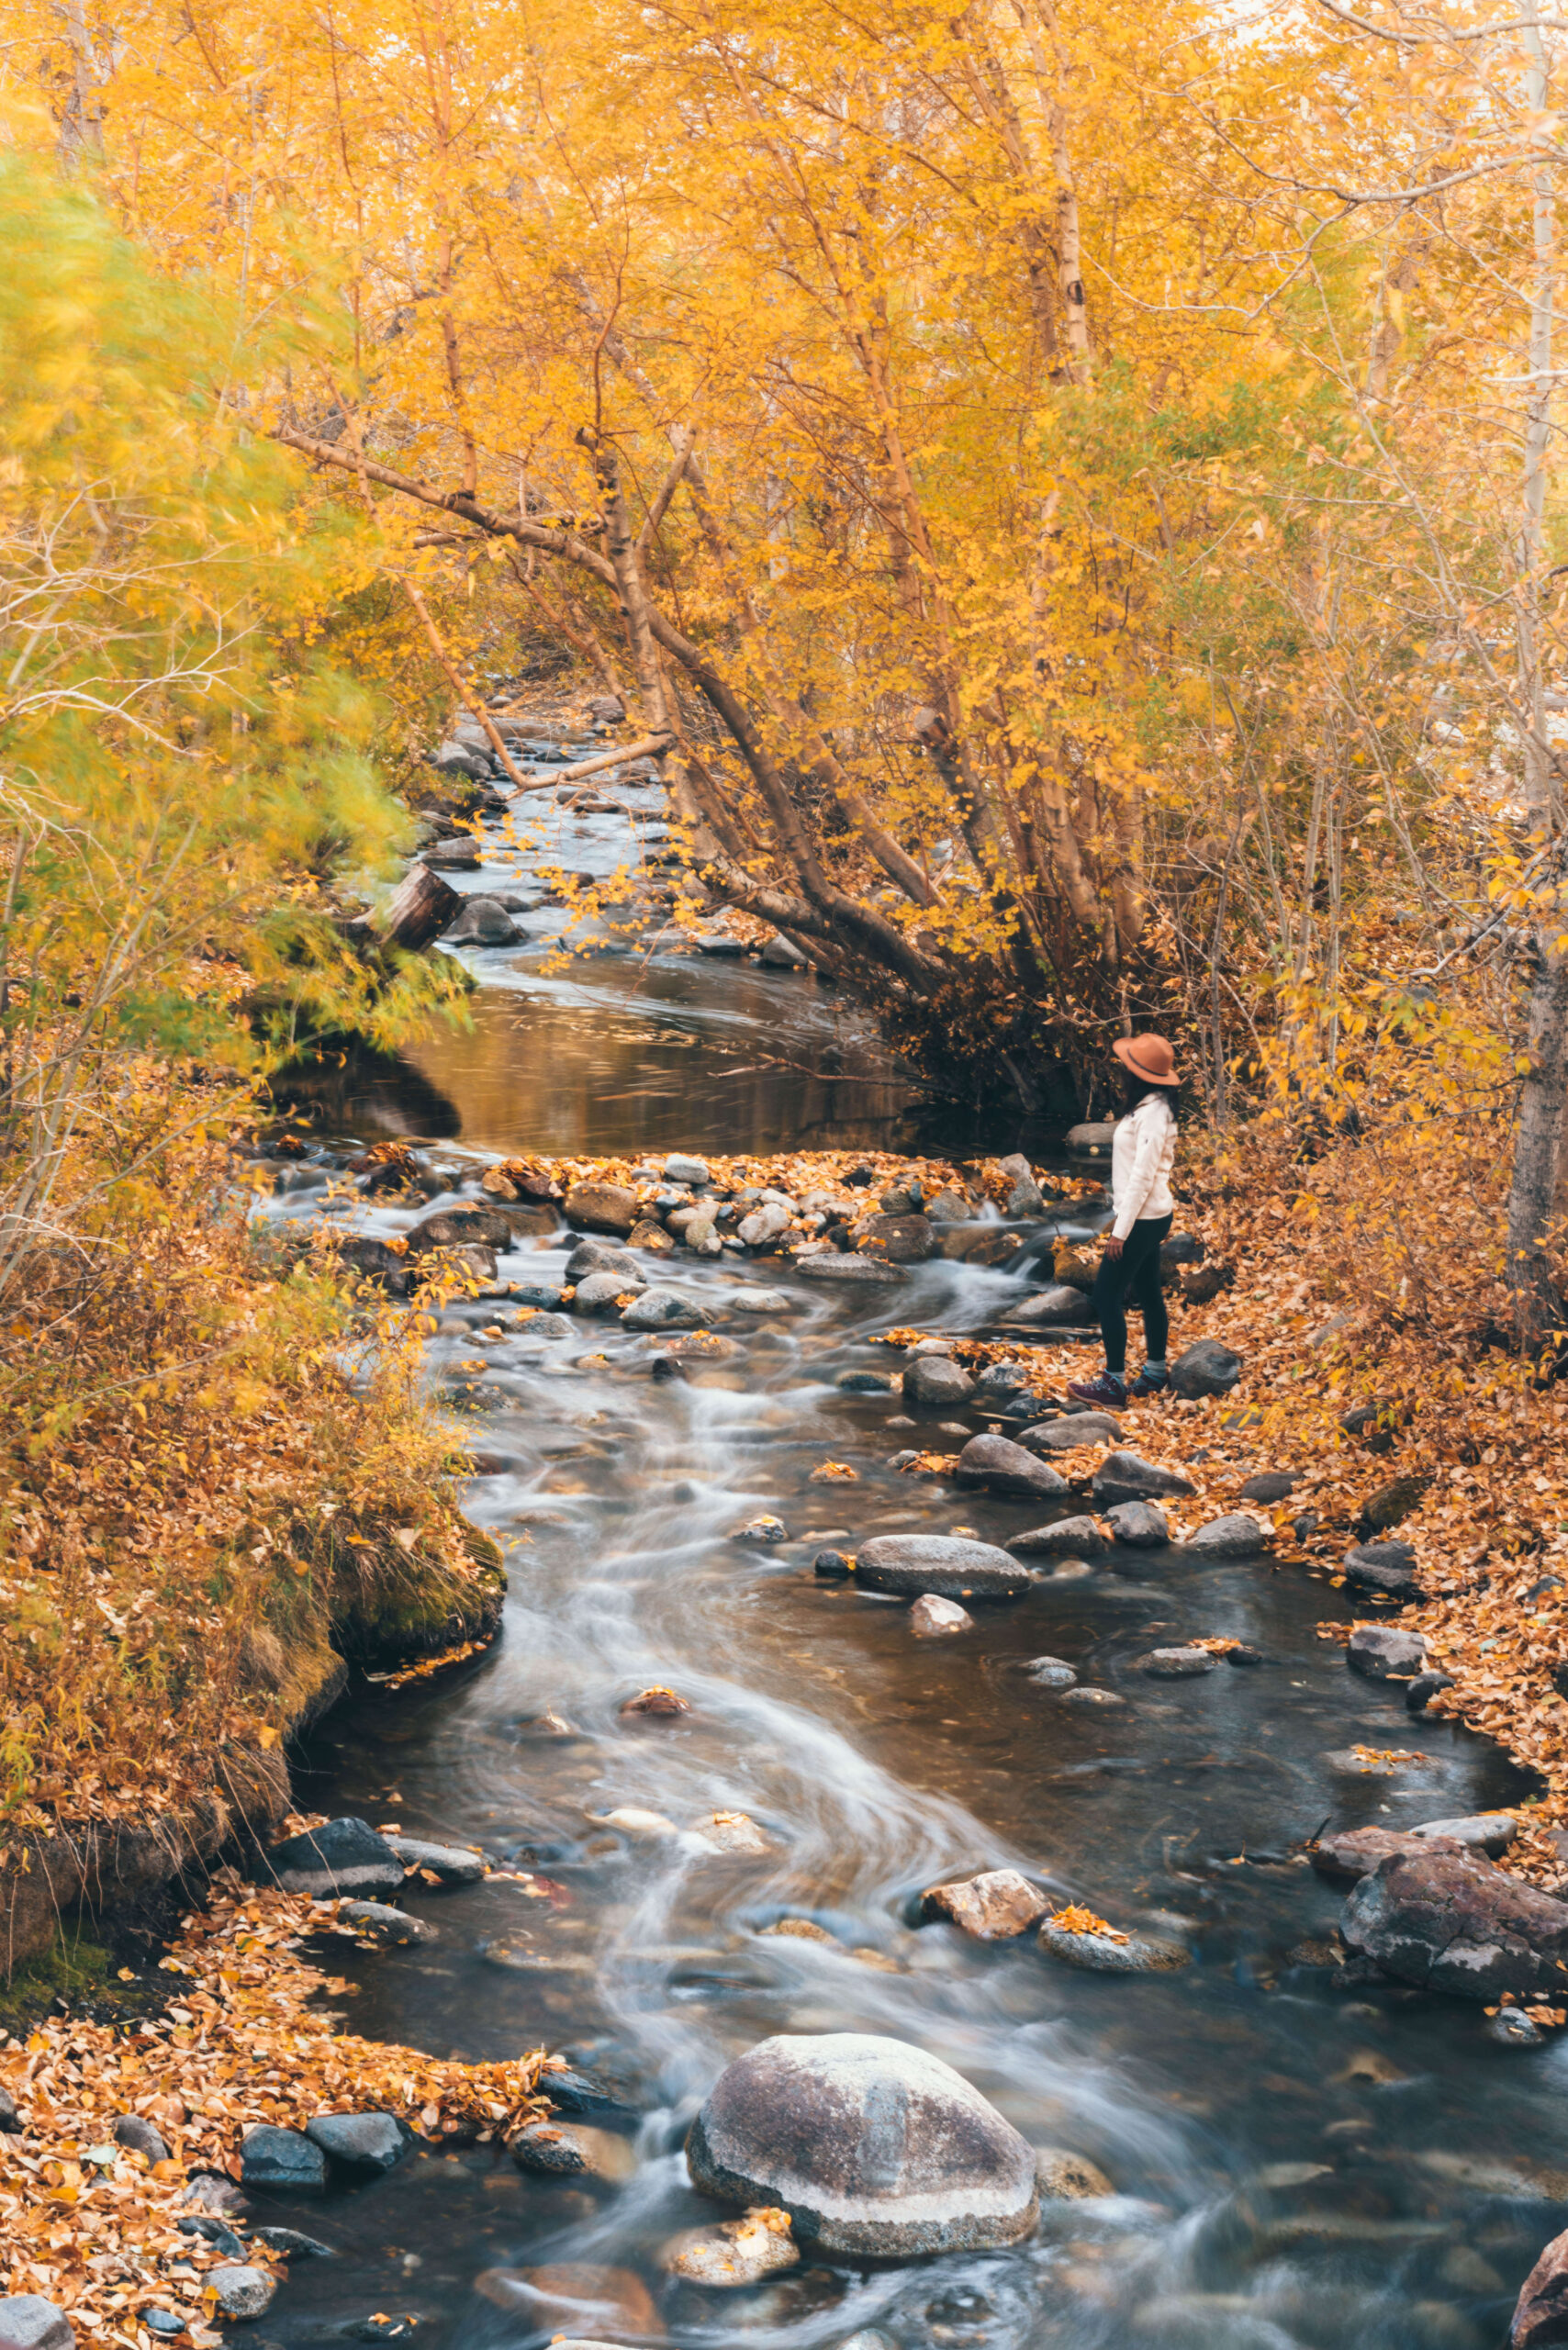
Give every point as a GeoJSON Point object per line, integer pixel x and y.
{"type": "Point", "coordinates": [945, 1563]}
{"type": "Point", "coordinates": [1050, 1673]}
{"type": "Point", "coordinates": [1178, 1664]}
{"type": "Point", "coordinates": [378, 1921]}
{"type": "Point", "coordinates": [994, 1907]}
{"type": "Point", "coordinates": [1066, 2177]}
{"type": "Point", "coordinates": [933, 1619]}
{"type": "Point", "coordinates": [737, 2252]}
{"type": "Point", "coordinates": [1104, 1952]}
{"type": "Point", "coordinates": [452, 1863]}
{"type": "Point", "coordinates": [866, 1270]}
{"type": "Point", "coordinates": [873, 2147]}
{"type": "Point", "coordinates": [1452, 1923]}
{"type": "Point", "coordinates": [574, 2150]}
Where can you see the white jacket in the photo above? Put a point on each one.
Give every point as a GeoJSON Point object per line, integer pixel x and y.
{"type": "Point", "coordinates": [1143, 1152]}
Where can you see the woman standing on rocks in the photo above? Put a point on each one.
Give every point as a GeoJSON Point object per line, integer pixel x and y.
{"type": "Point", "coordinates": [1143, 1153]}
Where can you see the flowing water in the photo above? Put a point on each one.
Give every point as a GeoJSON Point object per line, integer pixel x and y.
{"type": "Point", "coordinates": [1293, 2163]}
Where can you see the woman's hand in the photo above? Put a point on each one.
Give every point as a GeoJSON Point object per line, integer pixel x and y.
{"type": "Point", "coordinates": [1113, 1247]}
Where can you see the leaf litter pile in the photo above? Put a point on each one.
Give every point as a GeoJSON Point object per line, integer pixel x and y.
{"type": "Point", "coordinates": [91, 2225]}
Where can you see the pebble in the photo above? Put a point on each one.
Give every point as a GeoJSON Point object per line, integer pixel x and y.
{"type": "Point", "coordinates": [933, 1618]}
{"type": "Point", "coordinates": [240, 2290]}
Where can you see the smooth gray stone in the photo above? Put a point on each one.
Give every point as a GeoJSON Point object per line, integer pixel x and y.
{"type": "Point", "coordinates": [1050, 1673]}
{"type": "Point", "coordinates": [1049, 1308]}
{"type": "Point", "coordinates": [133, 2130]}
{"type": "Point", "coordinates": [345, 1856]}
{"type": "Point", "coordinates": [1071, 1430]}
{"type": "Point", "coordinates": [1385, 1652]}
{"type": "Point", "coordinates": [1178, 1664]}
{"type": "Point", "coordinates": [1205, 1368]}
{"type": "Point", "coordinates": [1123, 1477]}
{"type": "Point", "coordinates": [283, 2160]}
{"type": "Point", "coordinates": [1482, 1831]}
{"type": "Point", "coordinates": [865, 1272]}
{"type": "Point", "coordinates": [602, 1292]}
{"type": "Point", "coordinates": [363, 2141]}
{"type": "Point", "coordinates": [292, 2245]}
{"type": "Point", "coordinates": [686, 1170]}
{"type": "Point", "coordinates": [448, 1862]}
{"type": "Point", "coordinates": [873, 2147]}
{"type": "Point", "coordinates": [603, 1256]}
{"type": "Point", "coordinates": [1076, 1537]}
{"type": "Point", "coordinates": [29, 2323]}
{"type": "Point", "coordinates": [1231, 1536]}
{"type": "Point", "coordinates": [378, 1921]}
{"type": "Point", "coordinates": [933, 1382]}
{"type": "Point", "coordinates": [1002, 1467]}
{"type": "Point", "coordinates": [662, 1309]}
{"type": "Point", "coordinates": [946, 1564]}
{"type": "Point", "coordinates": [1140, 1525]}
{"type": "Point", "coordinates": [242, 2291]}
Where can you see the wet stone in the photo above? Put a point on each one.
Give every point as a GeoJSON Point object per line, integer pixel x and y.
{"type": "Point", "coordinates": [1177, 1665]}
{"type": "Point", "coordinates": [1066, 2177]}
{"type": "Point", "coordinates": [292, 2245]}
{"type": "Point", "coordinates": [598, 1257]}
{"type": "Point", "coordinates": [450, 1863]}
{"type": "Point", "coordinates": [947, 1565]}
{"type": "Point", "coordinates": [375, 2142]}
{"type": "Point", "coordinates": [378, 1921]}
{"type": "Point", "coordinates": [284, 2161]}
{"type": "Point", "coordinates": [737, 2253]}
{"type": "Point", "coordinates": [1050, 1673]}
{"type": "Point", "coordinates": [1420, 1691]}
{"type": "Point", "coordinates": [1093, 1700]}
{"type": "Point", "coordinates": [1123, 1477]}
{"type": "Point", "coordinates": [162, 2322]}
{"type": "Point", "coordinates": [1385, 1652]}
{"type": "Point", "coordinates": [1233, 1537]}
{"type": "Point", "coordinates": [855, 1271]}
{"type": "Point", "coordinates": [1074, 1538]}
{"type": "Point", "coordinates": [933, 1619]}
{"type": "Point", "coordinates": [1140, 1525]}
{"type": "Point", "coordinates": [240, 2291]}
{"type": "Point", "coordinates": [996, 1906]}
{"type": "Point", "coordinates": [213, 2232]}
{"type": "Point", "coordinates": [606, 1292]}
{"type": "Point", "coordinates": [574, 2150]}
{"type": "Point", "coordinates": [345, 1856]}
{"type": "Point", "coordinates": [935, 1383]}
{"type": "Point", "coordinates": [1101, 1955]}
{"type": "Point", "coordinates": [662, 1309]}
{"type": "Point", "coordinates": [999, 1466]}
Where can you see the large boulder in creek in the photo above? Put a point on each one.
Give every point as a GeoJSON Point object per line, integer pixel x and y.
{"type": "Point", "coordinates": [1452, 1923]}
{"type": "Point", "coordinates": [1205, 1368]}
{"type": "Point", "coordinates": [875, 2149]}
{"type": "Point", "coordinates": [935, 1383]}
{"type": "Point", "coordinates": [1540, 2313]}
{"type": "Point", "coordinates": [602, 1207]}
{"type": "Point", "coordinates": [461, 1228]}
{"type": "Point", "coordinates": [483, 921]}
{"type": "Point", "coordinates": [999, 1467]}
{"type": "Point", "coordinates": [1123, 1477]}
{"type": "Point", "coordinates": [902, 1239]}
{"type": "Point", "coordinates": [343, 1856]}
{"type": "Point", "coordinates": [944, 1564]}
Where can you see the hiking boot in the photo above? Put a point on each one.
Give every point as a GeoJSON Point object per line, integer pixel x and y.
{"type": "Point", "coordinates": [1150, 1382]}
{"type": "Point", "coordinates": [1108, 1392]}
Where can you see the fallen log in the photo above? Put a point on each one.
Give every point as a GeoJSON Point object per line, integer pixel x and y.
{"type": "Point", "coordinates": [419, 910]}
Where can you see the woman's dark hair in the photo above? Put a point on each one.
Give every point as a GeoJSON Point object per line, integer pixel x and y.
{"type": "Point", "coordinates": [1139, 1088]}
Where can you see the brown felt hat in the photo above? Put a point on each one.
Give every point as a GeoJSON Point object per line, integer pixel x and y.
{"type": "Point", "coordinates": [1149, 1058]}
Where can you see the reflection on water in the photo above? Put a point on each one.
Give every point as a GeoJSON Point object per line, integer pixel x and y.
{"type": "Point", "coordinates": [1291, 2164]}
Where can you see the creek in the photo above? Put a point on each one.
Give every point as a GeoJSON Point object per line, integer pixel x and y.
{"type": "Point", "coordinates": [1293, 2163]}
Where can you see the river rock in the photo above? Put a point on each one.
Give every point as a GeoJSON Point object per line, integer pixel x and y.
{"type": "Point", "coordinates": [863, 1271]}
{"type": "Point", "coordinates": [734, 1831]}
{"type": "Point", "coordinates": [293, 2244]}
{"type": "Point", "coordinates": [991, 1907]}
{"type": "Point", "coordinates": [1473, 1831]}
{"type": "Point", "coordinates": [1093, 1140]}
{"type": "Point", "coordinates": [1101, 1954]}
{"type": "Point", "coordinates": [1076, 1537]}
{"type": "Point", "coordinates": [1453, 1923]}
{"type": "Point", "coordinates": [599, 1257]}
{"type": "Point", "coordinates": [1140, 1525]}
{"type": "Point", "coordinates": [1178, 1664]}
{"type": "Point", "coordinates": [133, 2130]}
{"type": "Point", "coordinates": [1071, 1430]}
{"type": "Point", "coordinates": [1050, 1307]}
{"type": "Point", "coordinates": [1540, 2314]}
{"type": "Point", "coordinates": [662, 1309]}
{"type": "Point", "coordinates": [378, 1921]}
{"type": "Point", "coordinates": [1384, 1652]}
{"type": "Point", "coordinates": [1093, 1700]}
{"type": "Point", "coordinates": [452, 1863]}
{"type": "Point", "coordinates": [460, 1228]}
{"type": "Point", "coordinates": [1002, 1467]}
{"type": "Point", "coordinates": [345, 1856]}
{"type": "Point", "coordinates": [678, 1170]}
{"type": "Point", "coordinates": [602, 1292]}
{"type": "Point", "coordinates": [766, 1222]}
{"type": "Point", "coordinates": [933, 1619]}
{"type": "Point", "coordinates": [1385, 1567]}
{"type": "Point", "coordinates": [649, 1235]}
{"type": "Point", "coordinates": [286, 2161]}
{"type": "Point", "coordinates": [867, 1382]}
{"type": "Point", "coordinates": [375, 2142]}
{"type": "Point", "coordinates": [451, 855]}
{"type": "Point", "coordinates": [768, 1301]}
{"type": "Point", "coordinates": [902, 1239]}
{"type": "Point", "coordinates": [737, 2252]}
{"type": "Point", "coordinates": [874, 2148]}
{"type": "Point", "coordinates": [1050, 1673]}
{"type": "Point", "coordinates": [11, 2122]}
{"type": "Point", "coordinates": [1123, 1477]}
{"type": "Point", "coordinates": [602, 1207]}
{"type": "Point", "coordinates": [210, 2192]}
{"type": "Point", "coordinates": [935, 1383]}
{"type": "Point", "coordinates": [240, 2290]}
{"type": "Point", "coordinates": [947, 1564]}
{"type": "Point", "coordinates": [214, 2232]}
{"type": "Point", "coordinates": [574, 2150]}
{"type": "Point", "coordinates": [483, 921]}
{"type": "Point", "coordinates": [1420, 1693]}
{"type": "Point", "coordinates": [1205, 1368]}
{"type": "Point", "coordinates": [29, 2323]}
{"type": "Point", "coordinates": [1269, 1486]}
{"type": "Point", "coordinates": [1354, 1852]}
{"type": "Point", "coordinates": [1232, 1536]}
{"type": "Point", "coordinates": [1066, 2177]}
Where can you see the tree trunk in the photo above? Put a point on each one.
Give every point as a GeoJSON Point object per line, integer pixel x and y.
{"type": "Point", "coordinates": [419, 910]}
{"type": "Point", "coordinates": [1537, 1307]}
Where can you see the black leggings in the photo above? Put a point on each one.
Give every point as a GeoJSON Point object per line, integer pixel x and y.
{"type": "Point", "coordinates": [1136, 1269]}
